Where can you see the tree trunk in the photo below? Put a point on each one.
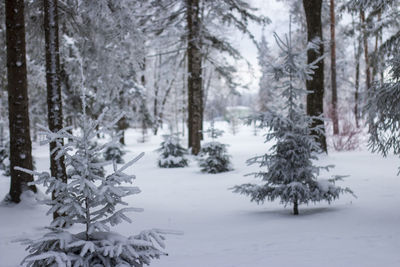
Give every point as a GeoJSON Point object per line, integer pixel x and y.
{"type": "Point", "coordinates": [356, 94]}
{"type": "Point", "coordinates": [335, 118]}
{"type": "Point", "coordinates": [195, 95]}
{"type": "Point", "coordinates": [54, 103]}
{"type": "Point", "coordinates": [20, 139]}
{"type": "Point", "coordinates": [315, 100]}
{"type": "Point", "coordinates": [295, 207]}
{"type": "Point", "coordinates": [365, 40]}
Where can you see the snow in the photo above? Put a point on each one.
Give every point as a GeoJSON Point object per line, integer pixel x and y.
{"type": "Point", "coordinates": [222, 229]}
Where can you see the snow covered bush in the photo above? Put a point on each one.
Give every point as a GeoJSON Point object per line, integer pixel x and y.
{"type": "Point", "coordinates": [213, 157]}
{"type": "Point", "coordinates": [290, 174]}
{"type": "Point", "coordinates": [172, 154]}
{"type": "Point", "coordinates": [91, 199]}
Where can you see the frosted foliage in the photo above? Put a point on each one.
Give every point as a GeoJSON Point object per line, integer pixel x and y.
{"type": "Point", "coordinates": [290, 174]}
{"type": "Point", "coordinates": [384, 113]}
{"type": "Point", "coordinates": [5, 158]}
{"type": "Point", "coordinates": [94, 200]}
{"type": "Point", "coordinates": [172, 154]}
{"type": "Point", "coordinates": [213, 157]}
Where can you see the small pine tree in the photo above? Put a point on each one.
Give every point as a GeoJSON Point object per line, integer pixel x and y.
{"type": "Point", "coordinates": [291, 175]}
{"type": "Point", "coordinates": [213, 157]}
{"type": "Point", "coordinates": [90, 198]}
{"type": "Point", "coordinates": [172, 154]}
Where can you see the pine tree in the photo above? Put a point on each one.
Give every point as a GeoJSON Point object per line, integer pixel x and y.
{"type": "Point", "coordinates": [92, 199]}
{"type": "Point", "coordinates": [291, 175]}
{"type": "Point", "coordinates": [172, 154]}
{"type": "Point", "coordinates": [213, 157]}
{"type": "Point", "coordinates": [383, 112]}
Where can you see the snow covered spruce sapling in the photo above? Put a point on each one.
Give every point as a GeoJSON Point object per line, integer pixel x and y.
{"type": "Point", "coordinates": [291, 175]}
{"type": "Point", "coordinates": [172, 154]}
{"type": "Point", "coordinates": [93, 200]}
{"type": "Point", "coordinates": [213, 157]}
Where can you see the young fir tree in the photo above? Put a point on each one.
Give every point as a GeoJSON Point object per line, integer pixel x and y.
{"type": "Point", "coordinates": [172, 154]}
{"type": "Point", "coordinates": [92, 199]}
{"type": "Point", "coordinates": [291, 175]}
{"type": "Point", "coordinates": [213, 155]}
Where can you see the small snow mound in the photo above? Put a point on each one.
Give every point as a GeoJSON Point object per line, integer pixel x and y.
{"type": "Point", "coordinates": [30, 199]}
{"type": "Point", "coordinates": [324, 185]}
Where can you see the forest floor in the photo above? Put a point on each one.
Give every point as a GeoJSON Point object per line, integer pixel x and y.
{"type": "Point", "coordinates": [222, 229]}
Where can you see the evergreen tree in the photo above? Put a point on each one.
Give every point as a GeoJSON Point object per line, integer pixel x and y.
{"type": "Point", "coordinates": [383, 112]}
{"type": "Point", "coordinates": [291, 175]}
{"type": "Point", "coordinates": [92, 199]}
{"type": "Point", "coordinates": [172, 154]}
{"type": "Point", "coordinates": [213, 157]}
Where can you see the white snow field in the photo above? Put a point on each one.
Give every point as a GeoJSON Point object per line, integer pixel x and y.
{"type": "Point", "coordinates": [222, 229]}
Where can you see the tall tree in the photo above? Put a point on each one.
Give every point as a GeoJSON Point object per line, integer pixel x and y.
{"type": "Point", "coordinates": [315, 100]}
{"type": "Point", "coordinates": [335, 119]}
{"type": "Point", "coordinates": [195, 96]}
{"type": "Point", "coordinates": [20, 139]}
{"type": "Point", "coordinates": [197, 24]}
{"type": "Point", "coordinates": [54, 104]}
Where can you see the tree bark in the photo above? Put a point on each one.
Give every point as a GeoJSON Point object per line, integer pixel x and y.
{"type": "Point", "coordinates": [335, 118]}
{"type": "Point", "coordinates": [195, 95]}
{"type": "Point", "coordinates": [54, 103]}
{"type": "Point", "coordinates": [315, 100]}
{"type": "Point", "coordinates": [295, 207]}
{"type": "Point", "coordinates": [365, 41]}
{"type": "Point", "coordinates": [20, 140]}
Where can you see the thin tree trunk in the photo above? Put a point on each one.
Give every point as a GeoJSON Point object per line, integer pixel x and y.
{"type": "Point", "coordinates": [375, 65]}
{"type": "Point", "coordinates": [365, 41]}
{"type": "Point", "coordinates": [315, 100]}
{"type": "Point", "coordinates": [335, 118]}
{"type": "Point", "coordinates": [357, 57]}
{"type": "Point", "coordinates": [156, 90]}
{"type": "Point", "coordinates": [195, 94]}
{"type": "Point", "coordinates": [18, 112]}
{"type": "Point", "coordinates": [295, 207]}
{"type": "Point", "coordinates": [356, 94]}
{"type": "Point", "coordinates": [54, 103]}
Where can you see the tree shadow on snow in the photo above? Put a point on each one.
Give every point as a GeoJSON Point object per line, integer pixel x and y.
{"type": "Point", "coordinates": [287, 212]}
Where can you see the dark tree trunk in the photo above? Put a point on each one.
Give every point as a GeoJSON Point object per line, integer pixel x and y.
{"type": "Point", "coordinates": [356, 96]}
{"type": "Point", "coordinates": [54, 103]}
{"type": "Point", "coordinates": [335, 118]}
{"type": "Point", "coordinates": [315, 100]}
{"type": "Point", "coordinates": [295, 207]}
{"type": "Point", "coordinates": [365, 41]}
{"type": "Point", "coordinates": [20, 140]}
{"type": "Point", "coordinates": [195, 94]}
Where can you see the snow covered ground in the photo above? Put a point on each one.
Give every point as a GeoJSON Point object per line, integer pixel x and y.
{"type": "Point", "coordinates": [222, 229]}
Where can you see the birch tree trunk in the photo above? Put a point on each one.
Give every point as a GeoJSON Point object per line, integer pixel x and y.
{"type": "Point", "coordinates": [20, 139]}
